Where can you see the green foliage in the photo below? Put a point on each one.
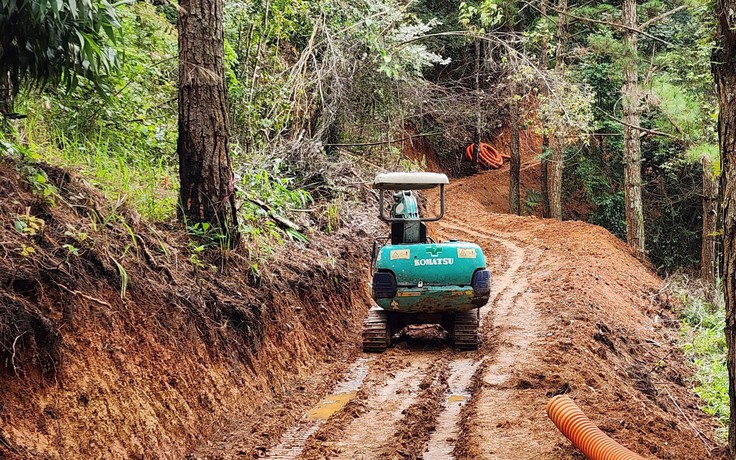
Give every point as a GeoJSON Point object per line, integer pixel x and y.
{"type": "Point", "coordinates": [302, 65]}
{"type": "Point", "coordinates": [704, 343]}
{"type": "Point", "coordinates": [567, 111]}
{"type": "Point", "coordinates": [123, 278]}
{"type": "Point", "coordinates": [677, 100]}
{"type": "Point", "coordinates": [610, 213]}
{"type": "Point", "coordinates": [266, 192]}
{"type": "Point", "coordinates": [57, 41]}
{"type": "Point", "coordinates": [29, 225]}
{"type": "Point", "coordinates": [207, 236]}
{"type": "Point", "coordinates": [681, 111]}
{"type": "Point", "coordinates": [478, 17]}
{"type": "Point", "coordinates": [705, 150]}
{"type": "Point", "coordinates": [532, 201]}
{"type": "Point", "coordinates": [125, 145]}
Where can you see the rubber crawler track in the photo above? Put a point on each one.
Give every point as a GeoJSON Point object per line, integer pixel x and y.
{"type": "Point", "coordinates": [376, 333]}
{"type": "Point", "coordinates": [465, 330]}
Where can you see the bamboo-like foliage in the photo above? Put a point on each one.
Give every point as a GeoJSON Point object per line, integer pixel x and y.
{"type": "Point", "coordinates": [57, 41]}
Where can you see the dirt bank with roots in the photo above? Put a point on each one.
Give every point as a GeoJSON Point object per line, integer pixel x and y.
{"type": "Point", "coordinates": [90, 373]}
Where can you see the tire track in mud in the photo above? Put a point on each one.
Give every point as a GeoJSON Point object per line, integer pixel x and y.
{"type": "Point", "coordinates": [495, 424]}
{"type": "Point", "coordinates": [361, 431]}
{"type": "Point", "coordinates": [443, 438]}
{"type": "Point", "coordinates": [412, 432]}
{"type": "Point", "coordinates": [292, 442]}
{"type": "Point", "coordinates": [504, 288]}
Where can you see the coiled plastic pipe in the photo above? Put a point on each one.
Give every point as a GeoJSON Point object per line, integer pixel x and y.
{"type": "Point", "coordinates": [578, 428]}
{"type": "Point", "coordinates": [488, 157]}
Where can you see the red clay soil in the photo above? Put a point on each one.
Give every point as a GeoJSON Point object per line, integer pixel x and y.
{"type": "Point", "coordinates": [603, 332]}
{"type": "Point", "coordinates": [571, 311]}
{"type": "Point", "coordinates": [88, 374]}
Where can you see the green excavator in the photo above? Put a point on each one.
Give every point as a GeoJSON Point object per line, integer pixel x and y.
{"type": "Point", "coordinates": [417, 280]}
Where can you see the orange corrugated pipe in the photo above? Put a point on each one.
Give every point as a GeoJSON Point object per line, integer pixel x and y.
{"type": "Point", "coordinates": [578, 428]}
{"type": "Point", "coordinates": [488, 157]}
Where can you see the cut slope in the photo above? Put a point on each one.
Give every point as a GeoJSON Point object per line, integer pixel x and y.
{"type": "Point", "coordinates": [90, 373]}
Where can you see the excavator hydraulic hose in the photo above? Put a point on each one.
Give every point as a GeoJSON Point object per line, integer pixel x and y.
{"type": "Point", "coordinates": [578, 428]}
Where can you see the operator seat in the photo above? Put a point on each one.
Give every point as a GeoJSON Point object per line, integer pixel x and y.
{"type": "Point", "coordinates": [397, 233]}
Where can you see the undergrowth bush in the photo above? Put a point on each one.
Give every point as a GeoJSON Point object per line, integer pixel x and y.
{"type": "Point", "coordinates": [704, 343]}
{"type": "Point", "coordinates": [125, 144]}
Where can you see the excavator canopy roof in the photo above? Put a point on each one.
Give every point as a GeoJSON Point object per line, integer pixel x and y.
{"type": "Point", "coordinates": [409, 180]}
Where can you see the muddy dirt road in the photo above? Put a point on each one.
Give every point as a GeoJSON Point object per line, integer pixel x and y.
{"type": "Point", "coordinates": [423, 400]}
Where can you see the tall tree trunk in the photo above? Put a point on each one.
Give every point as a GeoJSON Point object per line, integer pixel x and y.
{"type": "Point", "coordinates": [478, 107]}
{"type": "Point", "coordinates": [544, 65]}
{"type": "Point", "coordinates": [207, 191]}
{"type": "Point", "coordinates": [632, 142]}
{"type": "Point", "coordinates": [6, 95]}
{"type": "Point", "coordinates": [544, 177]}
{"type": "Point", "coordinates": [556, 160]}
{"type": "Point", "coordinates": [515, 163]}
{"type": "Point", "coordinates": [708, 253]}
{"type": "Point", "coordinates": [724, 73]}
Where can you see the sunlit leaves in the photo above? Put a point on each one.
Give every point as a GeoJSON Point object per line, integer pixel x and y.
{"type": "Point", "coordinates": [478, 17]}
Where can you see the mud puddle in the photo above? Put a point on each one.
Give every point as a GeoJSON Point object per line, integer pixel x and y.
{"type": "Point", "coordinates": [293, 441]}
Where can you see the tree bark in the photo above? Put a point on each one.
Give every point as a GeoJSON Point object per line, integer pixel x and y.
{"type": "Point", "coordinates": [556, 160]}
{"type": "Point", "coordinates": [632, 143]}
{"type": "Point", "coordinates": [724, 73]}
{"type": "Point", "coordinates": [515, 163]}
{"type": "Point", "coordinates": [6, 95]}
{"type": "Point", "coordinates": [544, 65]}
{"type": "Point", "coordinates": [544, 177]}
{"type": "Point", "coordinates": [207, 191]}
{"type": "Point", "coordinates": [708, 252]}
{"type": "Point", "coordinates": [478, 107]}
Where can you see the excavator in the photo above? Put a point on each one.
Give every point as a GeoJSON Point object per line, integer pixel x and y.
{"type": "Point", "coordinates": [416, 280]}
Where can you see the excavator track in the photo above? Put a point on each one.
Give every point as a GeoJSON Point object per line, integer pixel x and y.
{"type": "Point", "coordinates": [465, 330]}
{"type": "Point", "coordinates": [376, 332]}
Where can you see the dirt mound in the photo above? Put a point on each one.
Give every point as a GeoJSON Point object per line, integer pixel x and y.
{"type": "Point", "coordinates": [119, 340]}
{"type": "Point", "coordinates": [606, 334]}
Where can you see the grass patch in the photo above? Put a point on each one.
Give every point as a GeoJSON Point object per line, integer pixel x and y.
{"type": "Point", "coordinates": [145, 184]}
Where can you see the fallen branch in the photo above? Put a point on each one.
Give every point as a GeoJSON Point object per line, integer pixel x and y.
{"type": "Point", "coordinates": [272, 214]}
